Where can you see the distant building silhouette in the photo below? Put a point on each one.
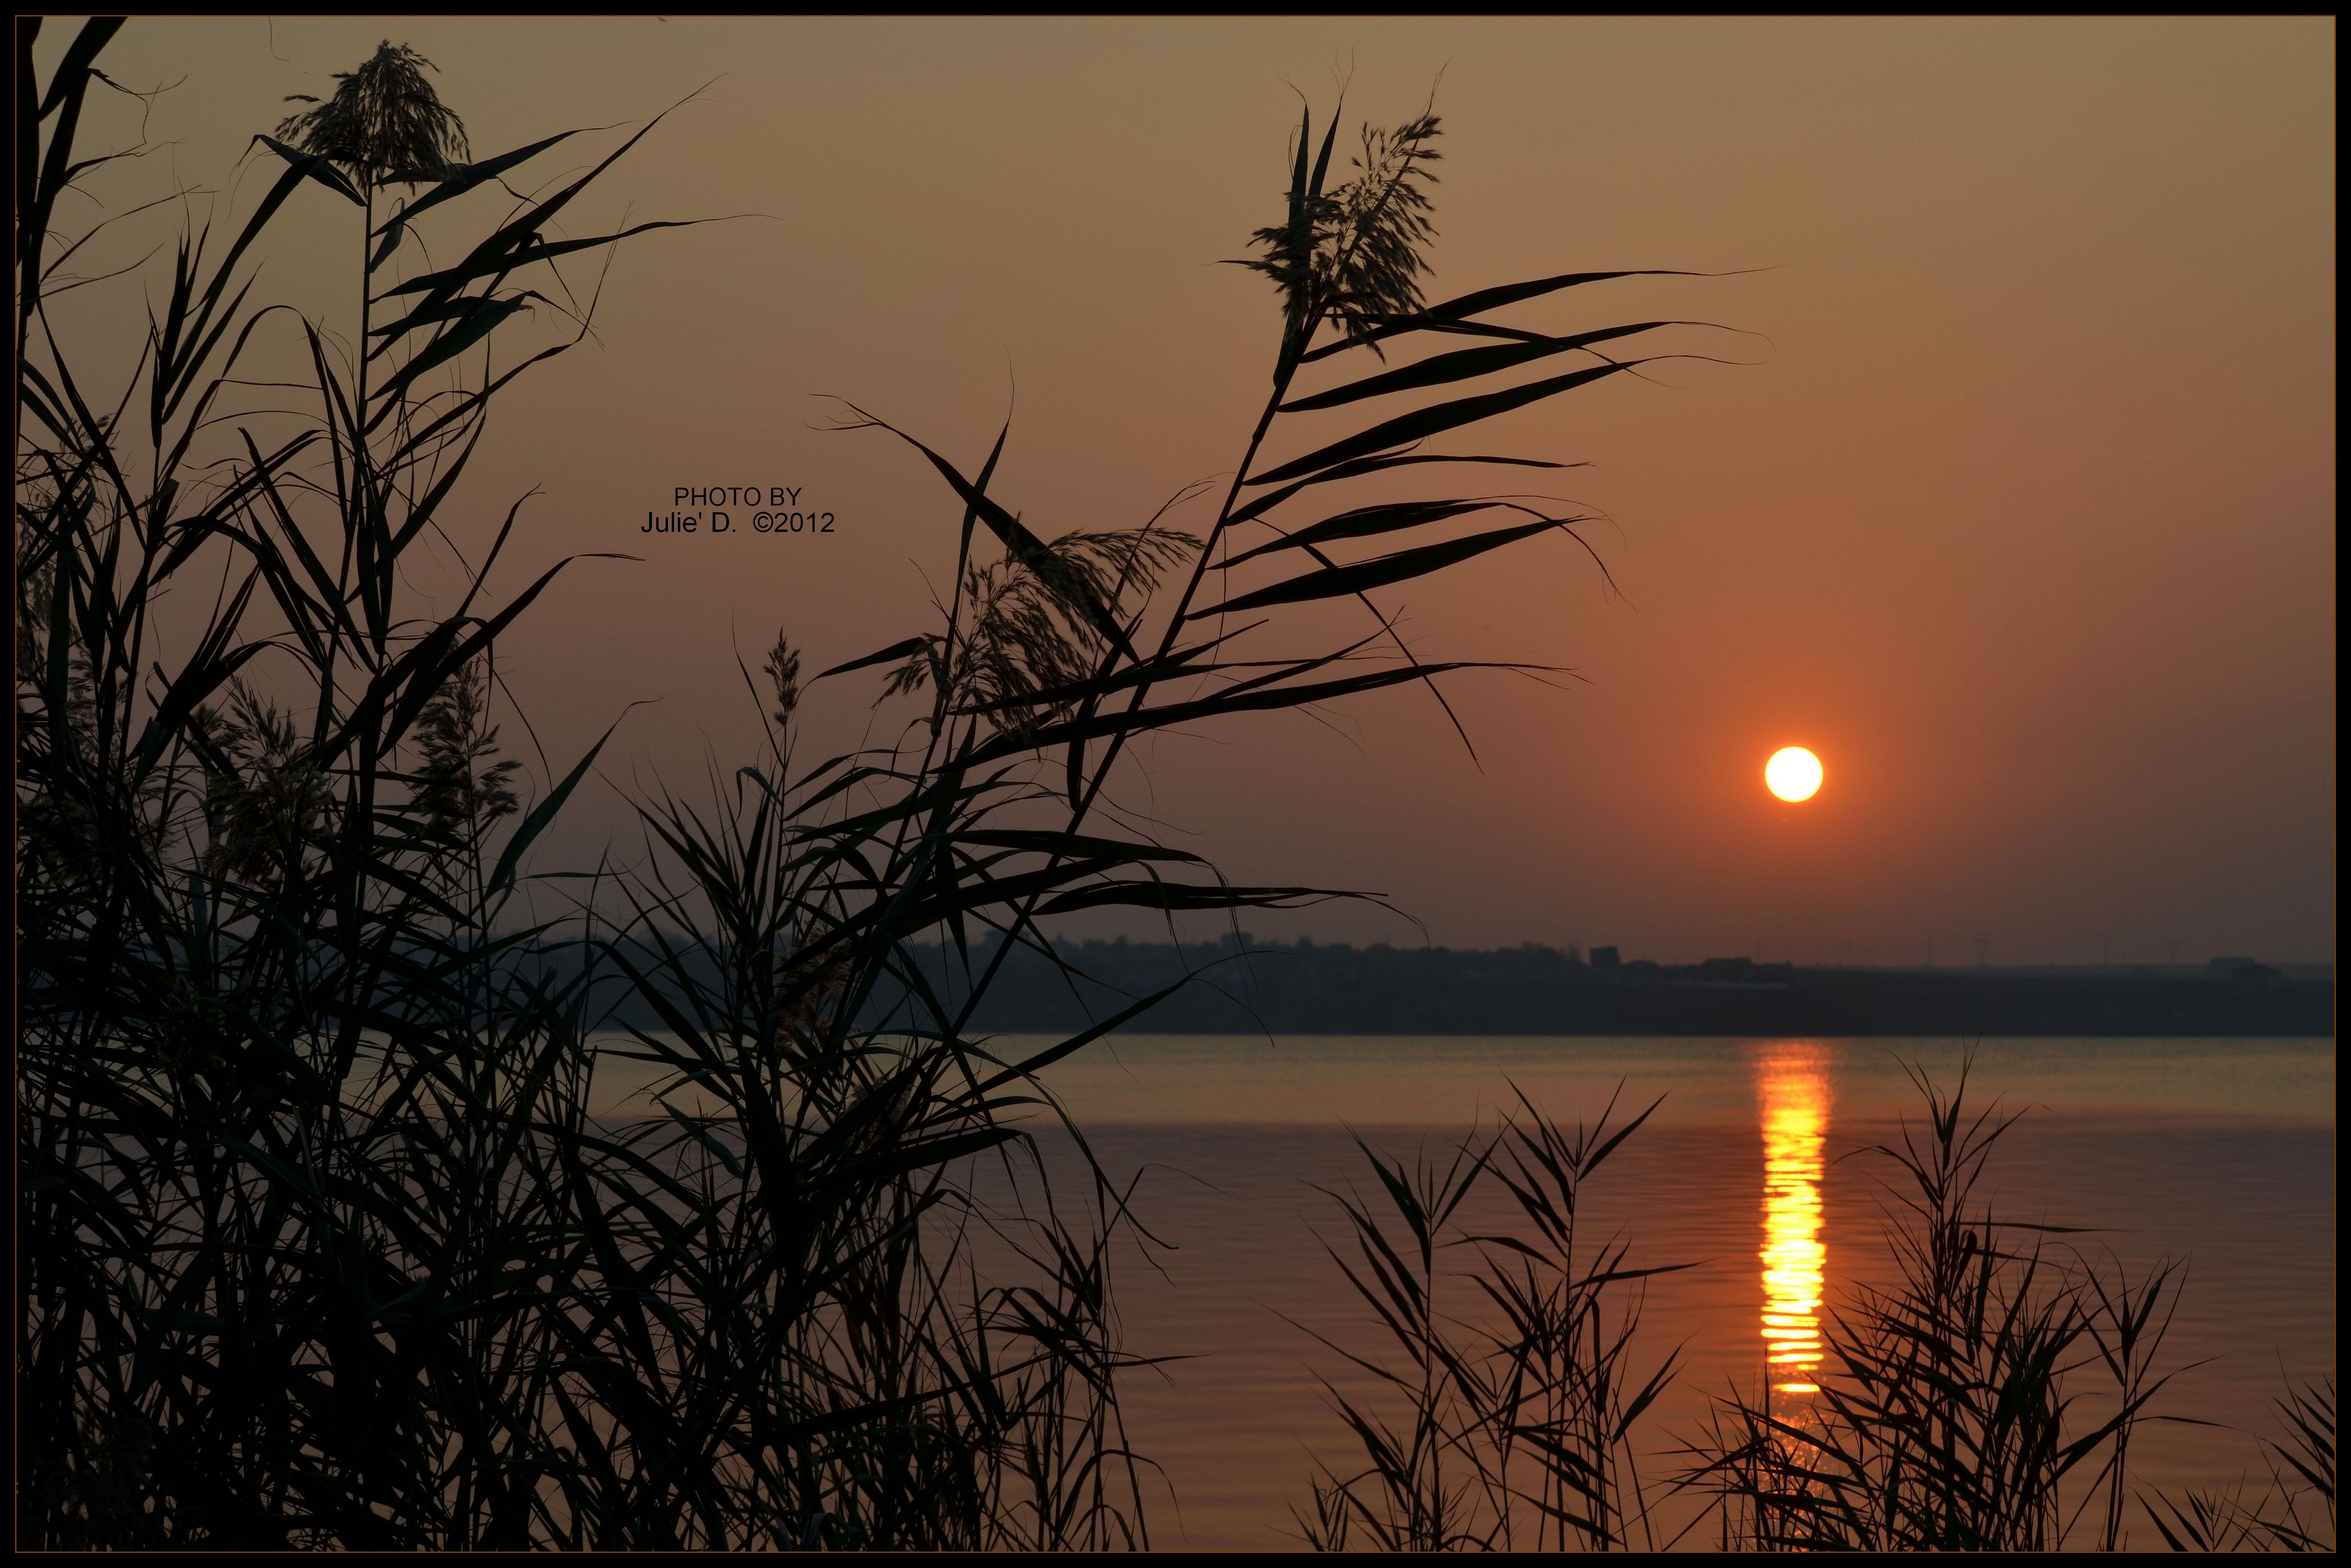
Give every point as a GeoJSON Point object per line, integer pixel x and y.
{"type": "Point", "coordinates": [1604, 959]}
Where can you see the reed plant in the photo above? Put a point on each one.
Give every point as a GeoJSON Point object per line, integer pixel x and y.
{"type": "Point", "coordinates": [1985, 1401]}
{"type": "Point", "coordinates": [1516, 1423]}
{"type": "Point", "coordinates": [295, 1223]}
{"type": "Point", "coordinates": [319, 1240]}
{"type": "Point", "coordinates": [774, 936]}
{"type": "Point", "coordinates": [2293, 1510]}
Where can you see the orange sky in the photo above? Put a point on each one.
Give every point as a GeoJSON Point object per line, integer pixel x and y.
{"type": "Point", "coordinates": [2022, 518]}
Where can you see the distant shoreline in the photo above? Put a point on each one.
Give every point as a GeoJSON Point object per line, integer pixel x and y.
{"type": "Point", "coordinates": [1308, 989]}
{"type": "Point", "coordinates": [1314, 989]}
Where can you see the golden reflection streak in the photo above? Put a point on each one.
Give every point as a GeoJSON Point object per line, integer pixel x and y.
{"type": "Point", "coordinates": [1791, 1080]}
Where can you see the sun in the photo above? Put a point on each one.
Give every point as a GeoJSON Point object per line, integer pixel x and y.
{"type": "Point", "coordinates": [1793, 773]}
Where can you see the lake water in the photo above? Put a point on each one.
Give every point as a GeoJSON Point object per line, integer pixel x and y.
{"type": "Point", "coordinates": [2218, 1153]}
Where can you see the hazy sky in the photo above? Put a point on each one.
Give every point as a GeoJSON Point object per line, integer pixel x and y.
{"type": "Point", "coordinates": [2020, 512]}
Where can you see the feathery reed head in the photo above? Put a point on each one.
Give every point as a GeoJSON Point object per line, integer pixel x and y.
{"type": "Point", "coordinates": [1354, 255]}
{"type": "Point", "coordinates": [783, 667]}
{"type": "Point", "coordinates": [455, 789]}
{"type": "Point", "coordinates": [384, 123]}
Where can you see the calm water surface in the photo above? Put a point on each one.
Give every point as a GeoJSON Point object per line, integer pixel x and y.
{"type": "Point", "coordinates": [2218, 1152]}
{"type": "Point", "coordinates": [1754, 1168]}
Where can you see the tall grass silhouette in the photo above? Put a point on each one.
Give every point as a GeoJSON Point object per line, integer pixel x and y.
{"type": "Point", "coordinates": [2294, 1511]}
{"type": "Point", "coordinates": [1987, 1400]}
{"type": "Point", "coordinates": [297, 1118]}
{"type": "Point", "coordinates": [319, 1242]}
{"type": "Point", "coordinates": [1517, 1416]}
{"type": "Point", "coordinates": [774, 940]}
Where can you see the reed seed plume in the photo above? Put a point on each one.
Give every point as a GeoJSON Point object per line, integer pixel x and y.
{"type": "Point", "coordinates": [266, 803]}
{"type": "Point", "coordinates": [783, 668]}
{"type": "Point", "coordinates": [383, 123]}
{"type": "Point", "coordinates": [1355, 255]}
{"type": "Point", "coordinates": [1034, 627]}
{"type": "Point", "coordinates": [459, 787]}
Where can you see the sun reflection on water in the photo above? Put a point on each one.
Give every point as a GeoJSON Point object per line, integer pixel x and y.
{"type": "Point", "coordinates": [1791, 1080]}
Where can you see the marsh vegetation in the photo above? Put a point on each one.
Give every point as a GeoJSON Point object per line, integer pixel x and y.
{"type": "Point", "coordinates": [1985, 1398]}
{"type": "Point", "coordinates": [318, 1241]}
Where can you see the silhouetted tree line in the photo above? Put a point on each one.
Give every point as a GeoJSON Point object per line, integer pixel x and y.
{"type": "Point", "coordinates": [1315, 989]}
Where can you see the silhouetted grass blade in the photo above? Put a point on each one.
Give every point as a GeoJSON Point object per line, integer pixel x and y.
{"type": "Point", "coordinates": [1480, 301]}
{"type": "Point", "coordinates": [1465, 364]}
{"type": "Point", "coordinates": [461, 178]}
{"type": "Point", "coordinates": [1170, 896]}
{"type": "Point", "coordinates": [1422, 424]}
{"type": "Point", "coordinates": [1363, 521]}
{"type": "Point", "coordinates": [307, 167]}
{"type": "Point", "coordinates": [1380, 572]}
{"type": "Point", "coordinates": [1261, 700]}
{"type": "Point", "coordinates": [889, 654]}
